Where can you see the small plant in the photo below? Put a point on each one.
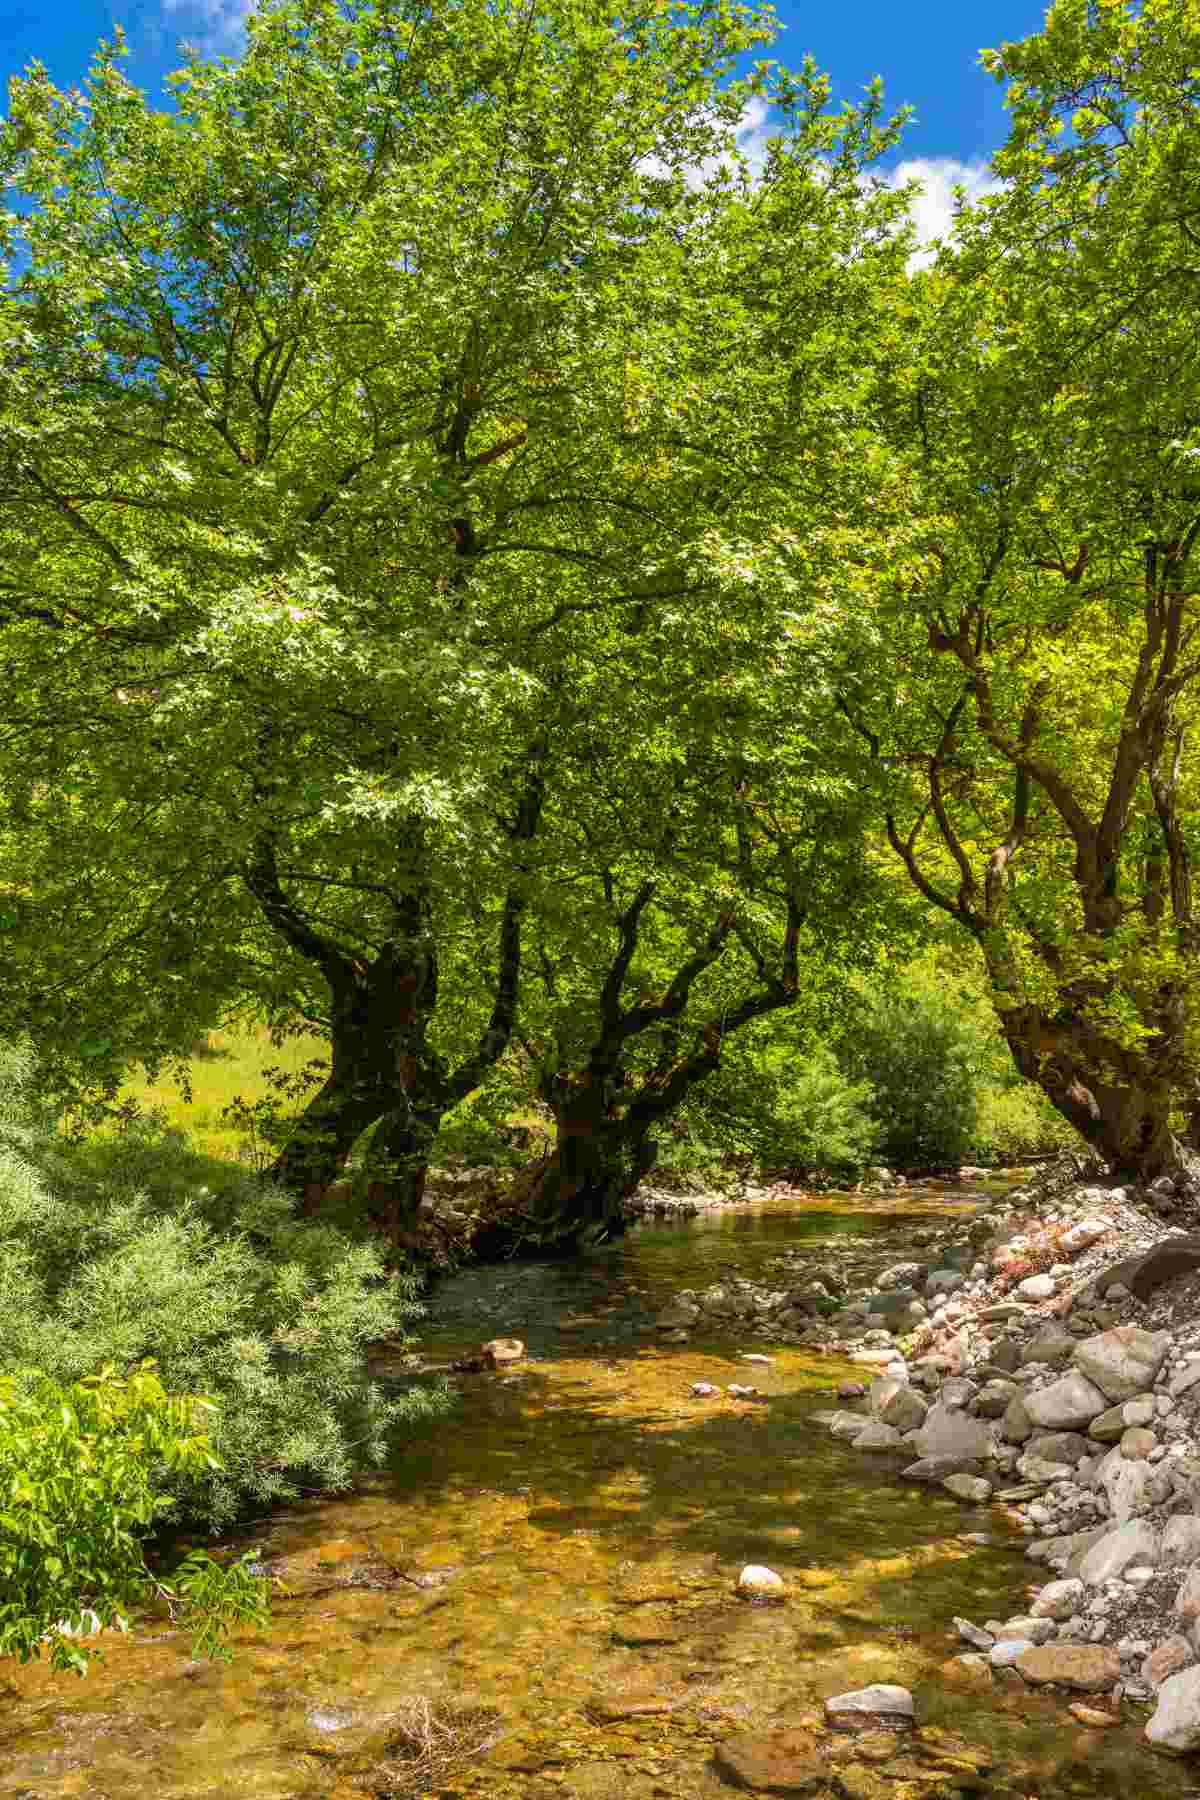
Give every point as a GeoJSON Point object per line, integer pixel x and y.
{"type": "Point", "coordinates": [81, 1484]}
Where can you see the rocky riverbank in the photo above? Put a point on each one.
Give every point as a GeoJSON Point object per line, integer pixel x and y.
{"type": "Point", "coordinates": [1042, 1359]}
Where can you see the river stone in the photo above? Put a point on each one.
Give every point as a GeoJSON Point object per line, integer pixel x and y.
{"type": "Point", "coordinates": [1037, 1287]}
{"type": "Point", "coordinates": [1180, 1540]}
{"type": "Point", "coordinates": [1084, 1668]}
{"type": "Point", "coordinates": [1134, 1542]}
{"type": "Point", "coordinates": [1142, 1274]}
{"type": "Point", "coordinates": [1067, 1447]}
{"type": "Point", "coordinates": [1016, 1426]}
{"type": "Point", "coordinates": [875, 1435]}
{"type": "Point", "coordinates": [895, 1403]}
{"type": "Point", "coordinates": [759, 1583]}
{"type": "Point", "coordinates": [901, 1275]}
{"type": "Point", "coordinates": [1131, 1486]}
{"type": "Point", "coordinates": [943, 1281]}
{"type": "Point", "coordinates": [1187, 1600]}
{"type": "Point", "coordinates": [1030, 1626]}
{"type": "Point", "coordinates": [1053, 1345]}
{"type": "Point", "coordinates": [847, 1425]}
{"type": "Point", "coordinates": [881, 1700]}
{"type": "Point", "coordinates": [1067, 1403]}
{"type": "Point", "coordinates": [774, 1762]}
{"type": "Point", "coordinates": [1008, 1651]}
{"type": "Point", "coordinates": [969, 1671]}
{"type": "Point", "coordinates": [1083, 1235]}
{"type": "Point", "coordinates": [993, 1398]}
{"type": "Point", "coordinates": [1059, 1599]}
{"type": "Point", "coordinates": [1137, 1443]}
{"type": "Point", "coordinates": [1184, 1379]}
{"type": "Point", "coordinates": [679, 1314]}
{"type": "Point", "coordinates": [975, 1635]}
{"type": "Point", "coordinates": [972, 1488]}
{"type": "Point", "coordinates": [1110, 1426]}
{"type": "Point", "coordinates": [502, 1350]}
{"type": "Point", "coordinates": [634, 1704]}
{"type": "Point", "coordinates": [1175, 1724]}
{"type": "Point", "coordinates": [934, 1469]}
{"type": "Point", "coordinates": [948, 1432]}
{"type": "Point", "coordinates": [1167, 1660]}
{"type": "Point", "coordinates": [1122, 1362]}
{"type": "Point", "coordinates": [1001, 1310]}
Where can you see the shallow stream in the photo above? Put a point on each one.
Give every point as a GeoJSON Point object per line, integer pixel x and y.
{"type": "Point", "coordinates": [538, 1602]}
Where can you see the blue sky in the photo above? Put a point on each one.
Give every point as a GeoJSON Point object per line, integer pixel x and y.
{"type": "Point", "coordinates": [926, 51]}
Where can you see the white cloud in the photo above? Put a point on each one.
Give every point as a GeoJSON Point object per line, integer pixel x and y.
{"type": "Point", "coordinates": [932, 210]}
{"type": "Point", "coordinates": [215, 26]}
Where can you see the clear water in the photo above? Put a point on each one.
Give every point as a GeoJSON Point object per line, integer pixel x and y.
{"type": "Point", "coordinates": [566, 1548]}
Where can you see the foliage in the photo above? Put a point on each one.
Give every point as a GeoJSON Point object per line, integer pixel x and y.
{"type": "Point", "coordinates": [922, 1067]}
{"type": "Point", "coordinates": [1020, 679]}
{"type": "Point", "coordinates": [384, 431]}
{"type": "Point", "coordinates": [82, 1471]}
{"type": "Point", "coordinates": [784, 1102]}
{"type": "Point", "coordinates": [116, 1249]}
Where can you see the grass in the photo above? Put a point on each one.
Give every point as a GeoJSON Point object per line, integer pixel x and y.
{"type": "Point", "coordinates": [231, 1065]}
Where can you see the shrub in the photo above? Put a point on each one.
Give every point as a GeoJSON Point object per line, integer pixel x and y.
{"type": "Point", "coordinates": [787, 1106]}
{"type": "Point", "coordinates": [80, 1475]}
{"type": "Point", "coordinates": [116, 1249]}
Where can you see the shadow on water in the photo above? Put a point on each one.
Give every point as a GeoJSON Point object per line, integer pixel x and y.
{"type": "Point", "coordinates": [559, 1559]}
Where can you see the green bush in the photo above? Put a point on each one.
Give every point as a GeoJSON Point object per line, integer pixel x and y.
{"type": "Point", "coordinates": [923, 1061]}
{"type": "Point", "coordinates": [785, 1106]}
{"type": "Point", "coordinates": [118, 1249]}
{"type": "Point", "coordinates": [80, 1485]}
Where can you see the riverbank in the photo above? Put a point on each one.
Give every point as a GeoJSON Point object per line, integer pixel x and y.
{"type": "Point", "coordinates": [1042, 1360]}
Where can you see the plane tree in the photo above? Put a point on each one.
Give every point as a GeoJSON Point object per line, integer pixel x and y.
{"type": "Point", "coordinates": [1025, 691]}
{"type": "Point", "coordinates": [384, 437]}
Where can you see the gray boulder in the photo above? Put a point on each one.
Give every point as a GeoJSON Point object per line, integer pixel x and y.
{"type": "Point", "coordinates": [1066, 1404]}
{"type": "Point", "coordinates": [1122, 1362]}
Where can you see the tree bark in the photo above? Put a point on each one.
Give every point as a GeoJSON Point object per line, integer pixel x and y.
{"type": "Point", "coordinates": [1119, 1102]}
{"type": "Point", "coordinates": [598, 1161]}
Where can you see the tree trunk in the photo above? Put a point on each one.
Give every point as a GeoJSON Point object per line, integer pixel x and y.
{"type": "Point", "coordinates": [398, 1165]}
{"type": "Point", "coordinates": [598, 1162]}
{"type": "Point", "coordinates": [1117, 1100]}
{"type": "Point", "coordinates": [316, 1154]}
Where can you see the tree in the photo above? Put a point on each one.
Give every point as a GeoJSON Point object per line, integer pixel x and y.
{"type": "Point", "coordinates": [1039, 605]}
{"type": "Point", "coordinates": [379, 424]}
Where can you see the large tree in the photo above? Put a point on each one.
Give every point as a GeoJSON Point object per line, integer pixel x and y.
{"type": "Point", "coordinates": [1026, 688]}
{"type": "Point", "coordinates": [385, 432]}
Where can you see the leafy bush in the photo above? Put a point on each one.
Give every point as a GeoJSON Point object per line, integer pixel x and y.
{"type": "Point", "coordinates": [786, 1105]}
{"type": "Point", "coordinates": [80, 1484]}
{"type": "Point", "coordinates": [116, 1249]}
{"type": "Point", "coordinates": [1016, 1123]}
{"type": "Point", "coordinates": [922, 1066]}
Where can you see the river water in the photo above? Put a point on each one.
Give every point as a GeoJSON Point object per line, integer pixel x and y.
{"type": "Point", "coordinates": [537, 1602]}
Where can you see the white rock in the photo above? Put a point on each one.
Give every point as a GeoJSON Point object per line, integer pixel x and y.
{"type": "Point", "coordinates": [1087, 1232]}
{"type": "Point", "coordinates": [1006, 1652]}
{"type": "Point", "coordinates": [1134, 1542]}
{"type": "Point", "coordinates": [1058, 1599]}
{"type": "Point", "coordinates": [948, 1432]}
{"type": "Point", "coordinates": [881, 1699]}
{"type": "Point", "coordinates": [1186, 1378]}
{"type": "Point", "coordinates": [760, 1582]}
{"type": "Point", "coordinates": [1175, 1724]}
{"type": "Point", "coordinates": [1036, 1287]}
{"type": "Point", "coordinates": [1066, 1404]}
{"type": "Point", "coordinates": [1123, 1362]}
{"type": "Point", "coordinates": [1181, 1539]}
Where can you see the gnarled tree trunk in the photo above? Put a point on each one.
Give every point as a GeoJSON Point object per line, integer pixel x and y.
{"type": "Point", "coordinates": [1118, 1101]}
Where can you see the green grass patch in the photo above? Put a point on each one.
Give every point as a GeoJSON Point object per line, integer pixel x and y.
{"type": "Point", "coordinates": [233, 1064]}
